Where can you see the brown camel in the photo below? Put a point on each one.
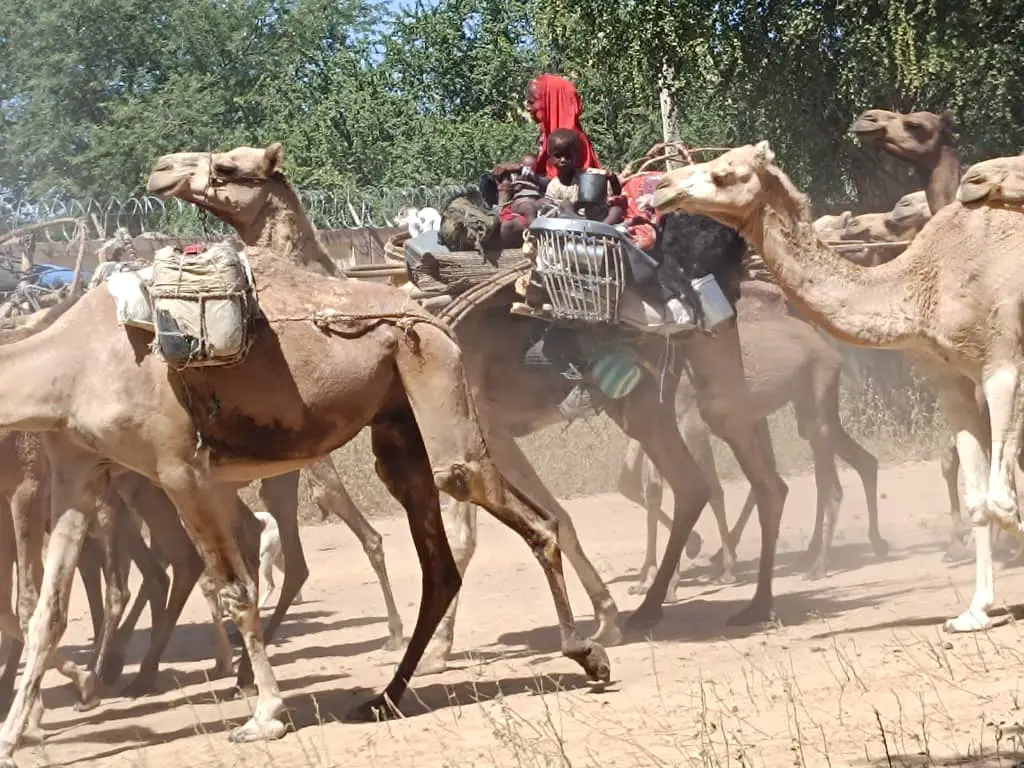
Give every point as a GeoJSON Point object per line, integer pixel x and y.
{"type": "Point", "coordinates": [514, 401]}
{"type": "Point", "coordinates": [786, 361]}
{"type": "Point", "coordinates": [331, 357]}
{"type": "Point", "coordinates": [926, 141]}
{"type": "Point", "coordinates": [962, 313]}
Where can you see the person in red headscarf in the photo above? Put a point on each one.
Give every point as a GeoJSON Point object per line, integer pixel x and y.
{"type": "Point", "coordinates": [553, 103]}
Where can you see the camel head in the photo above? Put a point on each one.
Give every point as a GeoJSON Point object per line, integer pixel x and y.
{"type": "Point", "coordinates": [235, 186]}
{"type": "Point", "coordinates": [910, 212]}
{"type": "Point", "coordinates": [733, 188]}
{"type": "Point", "coordinates": [912, 137]}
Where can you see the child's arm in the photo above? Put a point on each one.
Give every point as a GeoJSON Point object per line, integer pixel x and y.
{"type": "Point", "coordinates": [616, 214]}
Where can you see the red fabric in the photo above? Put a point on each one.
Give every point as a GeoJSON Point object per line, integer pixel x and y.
{"type": "Point", "coordinates": [642, 223]}
{"type": "Point", "coordinates": [194, 248]}
{"type": "Point", "coordinates": [507, 214]}
{"type": "Point", "coordinates": [559, 106]}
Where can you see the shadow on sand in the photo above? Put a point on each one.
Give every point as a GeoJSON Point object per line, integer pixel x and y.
{"type": "Point", "coordinates": [310, 710]}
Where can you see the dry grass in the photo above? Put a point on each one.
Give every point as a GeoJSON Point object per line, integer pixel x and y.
{"type": "Point", "coordinates": [884, 404]}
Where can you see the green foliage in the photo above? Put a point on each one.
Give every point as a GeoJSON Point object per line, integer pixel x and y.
{"type": "Point", "coordinates": [363, 95]}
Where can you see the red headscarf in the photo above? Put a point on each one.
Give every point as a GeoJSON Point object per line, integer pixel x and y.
{"type": "Point", "coordinates": [558, 105]}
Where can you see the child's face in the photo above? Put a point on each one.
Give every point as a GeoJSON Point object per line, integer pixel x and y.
{"type": "Point", "coordinates": [528, 161]}
{"type": "Point", "coordinates": [565, 158]}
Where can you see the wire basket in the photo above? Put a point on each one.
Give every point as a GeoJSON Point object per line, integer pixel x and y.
{"type": "Point", "coordinates": [582, 266]}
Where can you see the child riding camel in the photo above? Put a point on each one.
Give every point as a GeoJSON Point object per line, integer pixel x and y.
{"type": "Point", "coordinates": [566, 153]}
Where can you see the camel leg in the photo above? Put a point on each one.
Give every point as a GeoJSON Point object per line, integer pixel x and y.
{"type": "Point", "coordinates": [631, 485]}
{"type": "Point", "coordinates": [29, 514]}
{"type": "Point", "coordinates": [697, 437]}
{"type": "Point", "coordinates": [90, 570]}
{"type": "Point", "coordinates": [225, 663]}
{"type": "Point", "coordinates": [645, 416]}
{"type": "Point", "coordinates": [281, 496]}
{"type": "Point", "coordinates": [210, 514]}
{"type": "Point", "coordinates": [77, 487]}
{"type": "Point", "coordinates": [460, 525]}
{"type": "Point", "coordinates": [330, 495]}
{"type": "Point", "coordinates": [958, 551]}
{"type": "Point", "coordinates": [956, 396]}
{"type": "Point", "coordinates": [756, 458]}
{"type": "Point", "coordinates": [457, 459]}
{"type": "Point", "coordinates": [155, 590]}
{"type": "Point", "coordinates": [459, 521]}
{"type": "Point", "coordinates": [8, 620]}
{"type": "Point", "coordinates": [865, 465]}
{"type": "Point", "coordinates": [116, 596]}
{"type": "Point", "coordinates": [1002, 388]}
{"type": "Point", "coordinates": [640, 482]}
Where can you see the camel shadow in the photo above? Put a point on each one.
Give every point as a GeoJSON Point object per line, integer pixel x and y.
{"type": "Point", "coordinates": [191, 642]}
{"type": "Point", "coordinates": [324, 707]}
{"type": "Point", "coordinates": [842, 558]}
{"type": "Point", "coordinates": [699, 620]}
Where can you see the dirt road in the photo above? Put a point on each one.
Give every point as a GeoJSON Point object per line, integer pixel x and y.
{"type": "Point", "coordinates": [857, 671]}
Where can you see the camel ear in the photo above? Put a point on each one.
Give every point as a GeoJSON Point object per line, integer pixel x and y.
{"type": "Point", "coordinates": [948, 117]}
{"type": "Point", "coordinates": [763, 155]}
{"type": "Point", "coordinates": [844, 218]}
{"type": "Point", "coordinates": [274, 156]}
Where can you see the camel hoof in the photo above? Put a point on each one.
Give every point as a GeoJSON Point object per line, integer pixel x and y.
{"type": "Point", "coordinates": [594, 660]}
{"type": "Point", "coordinates": [957, 552]}
{"type": "Point", "coordinates": [142, 684]}
{"type": "Point", "coordinates": [755, 613]}
{"type": "Point", "coordinates": [973, 621]}
{"type": "Point", "coordinates": [394, 643]}
{"type": "Point", "coordinates": [432, 664]}
{"type": "Point", "coordinates": [880, 547]}
{"type": "Point", "coordinates": [727, 577]}
{"type": "Point", "coordinates": [694, 544]}
{"type": "Point", "coordinates": [112, 668]}
{"type": "Point", "coordinates": [816, 572]}
{"type": "Point", "coordinates": [644, 618]}
{"type": "Point", "coordinates": [271, 730]}
{"type": "Point", "coordinates": [376, 710]}
{"type": "Point", "coordinates": [86, 706]}
{"type": "Point", "coordinates": [639, 588]}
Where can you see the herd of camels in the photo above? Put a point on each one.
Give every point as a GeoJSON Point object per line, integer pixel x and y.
{"type": "Point", "coordinates": [100, 430]}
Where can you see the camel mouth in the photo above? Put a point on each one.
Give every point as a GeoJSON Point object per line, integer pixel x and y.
{"type": "Point", "coordinates": [866, 128]}
{"type": "Point", "coordinates": [164, 182]}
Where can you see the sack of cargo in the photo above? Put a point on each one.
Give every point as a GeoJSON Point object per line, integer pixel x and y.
{"type": "Point", "coordinates": [203, 305]}
{"type": "Point", "coordinates": [128, 287]}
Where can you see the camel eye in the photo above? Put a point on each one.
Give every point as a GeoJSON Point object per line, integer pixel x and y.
{"type": "Point", "coordinates": [224, 169]}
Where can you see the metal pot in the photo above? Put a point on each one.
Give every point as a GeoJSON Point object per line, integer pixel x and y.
{"type": "Point", "coordinates": [593, 187]}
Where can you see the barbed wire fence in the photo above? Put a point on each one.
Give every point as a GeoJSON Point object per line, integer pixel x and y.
{"type": "Point", "coordinates": [328, 209]}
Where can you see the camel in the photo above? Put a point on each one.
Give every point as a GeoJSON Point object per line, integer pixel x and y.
{"type": "Point", "coordinates": [962, 313]}
{"type": "Point", "coordinates": [331, 356]}
{"type": "Point", "coordinates": [786, 361]}
{"type": "Point", "coordinates": [926, 141]}
{"type": "Point", "coordinates": [514, 401]}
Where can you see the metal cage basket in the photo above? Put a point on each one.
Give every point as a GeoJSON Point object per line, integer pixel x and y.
{"type": "Point", "coordinates": [582, 265]}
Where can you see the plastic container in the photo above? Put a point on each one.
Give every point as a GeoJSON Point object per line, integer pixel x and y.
{"type": "Point", "coordinates": [716, 307]}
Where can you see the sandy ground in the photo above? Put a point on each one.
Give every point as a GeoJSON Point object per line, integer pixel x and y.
{"type": "Point", "coordinates": [856, 672]}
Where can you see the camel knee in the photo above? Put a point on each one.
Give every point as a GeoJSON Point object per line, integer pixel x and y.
{"type": "Point", "coordinates": [237, 600]}
{"type": "Point", "coordinates": [457, 480]}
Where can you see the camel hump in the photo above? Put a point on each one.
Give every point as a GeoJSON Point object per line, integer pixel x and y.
{"type": "Point", "coordinates": [996, 181]}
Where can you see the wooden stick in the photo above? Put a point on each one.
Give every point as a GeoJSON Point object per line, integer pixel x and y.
{"type": "Point", "coordinates": [33, 227]}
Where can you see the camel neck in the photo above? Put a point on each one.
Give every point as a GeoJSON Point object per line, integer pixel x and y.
{"type": "Point", "coordinates": [35, 380]}
{"type": "Point", "coordinates": [865, 306]}
{"type": "Point", "coordinates": [942, 178]}
{"type": "Point", "coordinates": [285, 231]}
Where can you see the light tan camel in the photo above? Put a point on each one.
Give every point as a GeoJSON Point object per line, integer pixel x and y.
{"type": "Point", "coordinates": [962, 313]}
{"type": "Point", "coordinates": [786, 361]}
{"type": "Point", "coordinates": [513, 401]}
{"type": "Point", "coordinates": [330, 357]}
